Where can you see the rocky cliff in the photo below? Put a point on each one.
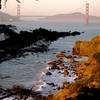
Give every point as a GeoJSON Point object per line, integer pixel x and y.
{"type": "Point", "coordinates": [87, 86]}
{"type": "Point", "coordinates": [86, 48]}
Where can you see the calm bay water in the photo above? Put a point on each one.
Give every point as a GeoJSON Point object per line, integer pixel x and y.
{"type": "Point", "coordinates": [27, 70]}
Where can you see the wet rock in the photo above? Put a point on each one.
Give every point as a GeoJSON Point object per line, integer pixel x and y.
{"type": "Point", "coordinates": [69, 75]}
{"type": "Point", "coordinates": [3, 93]}
{"type": "Point", "coordinates": [53, 65]}
{"type": "Point", "coordinates": [52, 84]}
{"type": "Point", "coordinates": [50, 96]}
{"type": "Point", "coordinates": [69, 56]}
{"type": "Point", "coordinates": [48, 73]}
{"type": "Point", "coordinates": [40, 97]}
{"type": "Point", "coordinates": [66, 72]}
{"type": "Point", "coordinates": [59, 61]}
{"type": "Point", "coordinates": [60, 54]}
{"type": "Point", "coordinates": [16, 88]}
{"type": "Point", "coordinates": [60, 72]}
{"type": "Point", "coordinates": [68, 51]}
{"type": "Point", "coordinates": [30, 97]}
{"type": "Point", "coordinates": [59, 88]}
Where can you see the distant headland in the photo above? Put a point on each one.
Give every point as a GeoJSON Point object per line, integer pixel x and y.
{"type": "Point", "coordinates": [4, 17]}
{"type": "Point", "coordinates": [76, 16]}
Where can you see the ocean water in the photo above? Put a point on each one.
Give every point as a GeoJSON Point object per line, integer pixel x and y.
{"type": "Point", "coordinates": [27, 70]}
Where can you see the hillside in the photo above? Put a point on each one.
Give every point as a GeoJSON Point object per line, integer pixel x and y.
{"type": "Point", "coordinates": [7, 17]}
{"type": "Point", "coordinates": [73, 16]}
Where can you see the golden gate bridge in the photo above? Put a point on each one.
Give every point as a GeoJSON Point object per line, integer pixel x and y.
{"type": "Point", "coordinates": [86, 11]}
{"type": "Point", "coordinates": [86, 16]}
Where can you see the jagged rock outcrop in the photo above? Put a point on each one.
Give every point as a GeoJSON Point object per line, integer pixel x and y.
{"type": "Point", "coordinates": [14, 44]}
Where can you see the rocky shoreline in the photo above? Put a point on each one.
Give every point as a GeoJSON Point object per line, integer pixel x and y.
{"type": "Point", "coordinates": [68, 77]}
{"type": "Point", "coordinates": [57, 73]}
{"type": "Point", "coordinates": [14, 44]}
{"type": "Point", "coordinates": [87, 86]}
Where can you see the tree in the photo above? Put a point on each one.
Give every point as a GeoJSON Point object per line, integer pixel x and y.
{"type": "Point", "coordinates": [6, 1]}
{"type": "Point", "coordinates": [0, 4]}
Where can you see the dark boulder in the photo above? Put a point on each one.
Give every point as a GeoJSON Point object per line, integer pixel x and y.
{"type": "Point", "coordinates": [48, 73]}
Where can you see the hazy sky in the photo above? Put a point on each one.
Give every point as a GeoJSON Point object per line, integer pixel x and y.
{"type": "Point", "coordinates": [51, 7]}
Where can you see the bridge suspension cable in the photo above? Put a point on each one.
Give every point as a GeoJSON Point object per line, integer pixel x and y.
{"type": "Point", "coordinates": [74, 10]}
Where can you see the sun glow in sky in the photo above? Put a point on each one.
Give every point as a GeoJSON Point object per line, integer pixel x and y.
{"type": "Point", "coordinates": [51, 7]}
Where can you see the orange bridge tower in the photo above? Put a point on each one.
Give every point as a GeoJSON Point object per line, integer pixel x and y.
{"type": "Point", "coordinates": [87, 14]}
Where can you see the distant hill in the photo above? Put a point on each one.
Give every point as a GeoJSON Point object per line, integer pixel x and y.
{"type": "Point", "coordinates": [73, 17]}
{"type": "Point", "coordinates": [7, 17]}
